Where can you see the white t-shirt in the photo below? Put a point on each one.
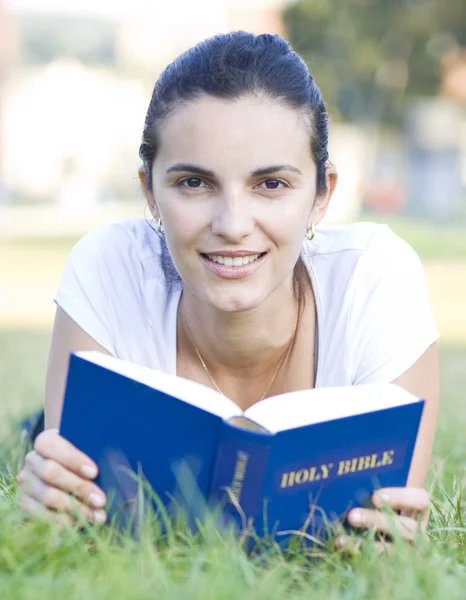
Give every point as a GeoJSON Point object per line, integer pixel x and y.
{"type": "Point", "coordinates": [373, 311]}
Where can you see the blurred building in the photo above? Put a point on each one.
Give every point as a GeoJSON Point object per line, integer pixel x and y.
{"type": "Point", "coordinates": [70, 123]}
{"type": "Point", "coordinates": [422, 171]}
{"type": "Point", "coordinates": [8, 53]}
{"type": "Point", "coordinates": [9, 45]}
{"type": "Point", "coordinates": [71, 120]}
{"type": "Point", "coordinates": [435, 144]}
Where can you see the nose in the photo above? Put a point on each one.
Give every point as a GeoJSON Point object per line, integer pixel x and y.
{"type": "Point", "coordinates": [233, 218]}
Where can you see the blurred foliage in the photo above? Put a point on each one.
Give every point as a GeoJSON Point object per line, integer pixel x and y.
{"type": "Point", "coordinates": [49, 37]}
{"type": "Point", "coordinates": [367, 56]}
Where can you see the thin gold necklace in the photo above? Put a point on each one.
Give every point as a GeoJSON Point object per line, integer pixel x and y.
{"type": "Point", "coordinates": [280, 363]}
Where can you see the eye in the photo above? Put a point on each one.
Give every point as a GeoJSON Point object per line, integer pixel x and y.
{"type": "Point", "coordinates": [192, 183]}
{"type": "Point", "coordinates": [272, 184]}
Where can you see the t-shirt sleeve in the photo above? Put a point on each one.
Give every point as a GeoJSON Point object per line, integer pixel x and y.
{"type": "Point", "coordinates": [84, 292]}
{"type": "Point", "coordinates": [391, 322]}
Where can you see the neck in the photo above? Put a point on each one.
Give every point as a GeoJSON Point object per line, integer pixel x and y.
{"type": "Point", "coordinates": [246, 345]}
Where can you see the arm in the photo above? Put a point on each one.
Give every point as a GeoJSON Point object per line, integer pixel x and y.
{"type": "Point", "coordinates": [67, 337]}
{"type": "Point", "coordinates": [55, 468]}
{"type": "Point", "coordinates": [89, 284]}
{"type": "Point", "coordinates": [422, 380]}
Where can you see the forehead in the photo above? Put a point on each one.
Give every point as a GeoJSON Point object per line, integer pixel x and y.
{"type": "Point", "coordinates": [242, 134]}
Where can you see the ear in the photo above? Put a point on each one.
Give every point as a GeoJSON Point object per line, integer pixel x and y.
{"type": "Point", "coordinates": [322, 201]}
{"type": "Point", "coordinates": [148, 193]}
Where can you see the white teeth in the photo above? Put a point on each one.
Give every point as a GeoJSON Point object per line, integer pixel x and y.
{"type": "Point", "coordinates": [237, 261]}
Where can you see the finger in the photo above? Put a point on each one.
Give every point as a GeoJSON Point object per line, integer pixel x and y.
{"type": "Point", "coordinates": [384, 523]}
{"type": "Point", "coordinates": [32, 506]}
{"type": "Point", "coordinates": [349, 545]}
{"type": "Point", "coordinates": [57, 500]}
{"type": "Point", "coordinates": [352, 546]}
{"type": "Point", "coordinates": [386, 548]}
{"type": "Point", "coordinates": [56, 475]}
{"type": "Point", "coordinates": [409, 500]}
{"type": "Point", "coordinates": [50, 444]}
{"type": "Point", "coordinates": [412, 502]}
{"type": "Point", "coordinates": [20, 477]}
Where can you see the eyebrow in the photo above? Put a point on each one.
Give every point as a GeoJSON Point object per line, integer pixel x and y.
{"type": "Point", "coordinates": [187, 168]}
{"type": "Point", "coordinates": [190, 169]}
{"type": "Point", "coordinates": [275, 169]}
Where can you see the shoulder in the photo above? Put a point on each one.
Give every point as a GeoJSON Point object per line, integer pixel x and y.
{"type": "Point", "coordinates": [358, 238]}
{"type": "Point", "coordinates": [133, 233]}
{"type": "Point", "coordinates": [368, 266]}
{"type": "Point", "coordinates": [359, 265]}
{"type": "Point", "coordinates": [368, 249]}
{"type": "Point", "coordinates": [130, 242]}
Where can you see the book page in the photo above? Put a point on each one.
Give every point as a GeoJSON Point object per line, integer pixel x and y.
{"type": "Point", "coordinates": [244, 423]}
{"type": "Point", "coordinates": [305, 407]}
{"type": "Point", "coordinates": [189, 391]}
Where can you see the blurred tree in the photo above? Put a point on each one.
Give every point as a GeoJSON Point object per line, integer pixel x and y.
{"type": "Point", "coordinates": [368, 55]}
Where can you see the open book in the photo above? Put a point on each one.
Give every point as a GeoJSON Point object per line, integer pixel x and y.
{"type": "Point", "coordinates": [301, 458]}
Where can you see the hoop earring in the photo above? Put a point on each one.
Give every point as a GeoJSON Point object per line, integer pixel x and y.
{"type": "Point", "coordinates": [159, 226]}
{"type": "Point", "coordinates": [312, 232]}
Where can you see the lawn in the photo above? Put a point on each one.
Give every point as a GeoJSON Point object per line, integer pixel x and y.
{"type": "Point", "coordinates": [40, 561]}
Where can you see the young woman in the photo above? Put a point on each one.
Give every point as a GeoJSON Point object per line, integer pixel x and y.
{"type": "Point", "coordinates": [233, 283]}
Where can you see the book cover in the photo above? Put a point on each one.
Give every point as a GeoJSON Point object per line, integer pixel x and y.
{"type": "Point", "coordinates": [292, 462]}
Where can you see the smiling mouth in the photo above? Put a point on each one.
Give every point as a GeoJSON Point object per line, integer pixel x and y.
{"type": "Point", "coordinates": [233, 261]}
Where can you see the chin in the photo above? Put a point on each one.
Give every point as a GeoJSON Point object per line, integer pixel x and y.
{"type": "Point", "coordinates": [233, 303]}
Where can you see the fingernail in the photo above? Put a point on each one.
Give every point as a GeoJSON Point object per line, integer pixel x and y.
{"type": "Point", "coordinates": [89, 471]}
{"type": "Point", "coordinates": [100, 516]}
{"type": "Point", "coordinates": [357, 518]}
{"type": "Point", "coordinates": [382, 497]}
{"type": "Point", "coordinates": [96, 500]}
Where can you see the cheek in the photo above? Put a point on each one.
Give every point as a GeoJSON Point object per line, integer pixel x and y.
{"type": "Point", "coordinates": [286, 227]}
{"type": "Point", "coordinates": [183, 227]}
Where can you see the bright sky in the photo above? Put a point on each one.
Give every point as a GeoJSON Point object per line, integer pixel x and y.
{"type": "Point", "coordinates": [121, 8]}
{"type": "Point", "coordinates": [108, 8]}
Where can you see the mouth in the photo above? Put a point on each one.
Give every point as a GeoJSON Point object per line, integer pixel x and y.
{"type": "Point", "coordinates": [233, 267]}
{"type": "Point", "coordinates": [233, 261]}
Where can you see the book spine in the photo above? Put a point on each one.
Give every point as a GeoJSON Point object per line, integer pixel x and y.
{"type": "Point", "coordinates": [239, 473]}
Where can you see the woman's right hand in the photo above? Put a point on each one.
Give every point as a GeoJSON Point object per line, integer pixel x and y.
{"type": "Point", "coordinates": [57, 480]}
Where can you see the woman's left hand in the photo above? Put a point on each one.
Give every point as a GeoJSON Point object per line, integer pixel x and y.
{"type": "Point", "coordinates": [413, 504]}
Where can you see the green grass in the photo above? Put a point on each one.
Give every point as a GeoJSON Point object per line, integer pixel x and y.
{"type": "Point", "coordinates": [429, 239]}
{"type": "Point", "coordinates": [39, 560]}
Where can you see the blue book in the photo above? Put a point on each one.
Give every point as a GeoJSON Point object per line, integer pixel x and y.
{"type": "Point", "coordinates": [294, 462]}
